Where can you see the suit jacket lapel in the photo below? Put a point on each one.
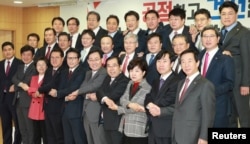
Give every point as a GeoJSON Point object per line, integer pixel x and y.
{"type": "Point", "coordinates": [232, 33]}
{"type": "Point", "coordinates": [213, 62]}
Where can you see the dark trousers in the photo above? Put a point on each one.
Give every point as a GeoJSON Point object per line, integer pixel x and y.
{"type": "Point", "coordinates": [25, 124]}
{"type": "Point", "coordinates": [39, 132]}
{"type": "Point", "coordinates": [8, 114]}
{"type": "Point", "coordinates": [135, 140]}
{"type": "Point", "coordinates": [54, 128]}
{"type": "Point", "coordinates": [153, 139]}
{"type": "Point", "coordinates": [113, 136]}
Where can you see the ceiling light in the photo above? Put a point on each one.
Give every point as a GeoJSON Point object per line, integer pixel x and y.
{"type": "Point", "coordinates": [17, 2]}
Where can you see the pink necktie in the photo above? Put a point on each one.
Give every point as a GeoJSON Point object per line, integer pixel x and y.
{"type": "Point", "coordinates": [125, 64]}
{"type": "Point", "coordinates": [205, 65]}
{"type": "Point", "coordinates": [184, 90]}
{"type": "Point", "coordinates": [105, 56]}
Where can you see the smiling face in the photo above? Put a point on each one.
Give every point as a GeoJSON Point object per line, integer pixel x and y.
{"type": "Point", "coordinates": [152, 21]}
{"type": "Point", "coordinates": [132, 23]}
{"type": "Point", "coordinates": [113, 68]}
{"type": "Point", "coordinates": [188, 64]}
{"type": "Point", "coordinates": [136, 74]}
{"type": "Point", "coordinates": [95, 61]}
{"type": "Point", "coordinates": [228, 16]}
{"type": "Point", "coordinates": [154, 45]}
{"type": "Point", "coordinates": [106, 45]}
{"type": "Point", "coordinates": [41, 66]}
{"type": "Point", "coordinates": [201, 21]}
{"type": "Point", "coordinates": [112, 25]}
{"type": "Point", "coordinates": [164, 65]}
{"type": "Point", "coordinates": [179, 44]}
{"type": "Point", "coordinates": [210, 40]}
{"type": "Point", "coordinates": [176, 22]}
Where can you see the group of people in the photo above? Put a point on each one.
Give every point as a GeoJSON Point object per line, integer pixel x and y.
{"type": "Point", "coordinates": [164, 85]}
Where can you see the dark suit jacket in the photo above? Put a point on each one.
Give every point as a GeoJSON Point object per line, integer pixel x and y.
{"type": "Point", "coordinates": [142, 42]}
{"type": "Point", "coordinates": [85, 63]}
{"type": "Point", "coordinates": [118, 42]}
{"type": "Point", "coordinates": [165, 99]}
{"type": "Point", "coordinates": [181, 73]}
{"type": "Point", "coordinates": [91, 109]}
{"type": "Point", "coordinates": [195, 114]}
{"type": "Point", "coordinates": [51, 105]}
{"type": "Point", "coordinates": [237, 42]}
{"type": "Point", "coordinates": [152, 72]}
{"type": "Point", "coordinates": [5, 81]}
{"type": "Point", "coordinates": [102, 32]}
{"type": "Point", "coordinates": [65, 58]}
{"type": "Point", "coordinates": [185, 31]}
{"type": "Point", "coordinates": [41, 52]}
{"type": "Point", "coordinates": [72, 109]}
{"type": "Point", "coordinates": [221, 73]}
{"type": "Point", "coordinates": [24, 98]}
{"type": "Point", "coordinates": [78, 45]}
{"type": "Point", "coordinates": [114, 92]}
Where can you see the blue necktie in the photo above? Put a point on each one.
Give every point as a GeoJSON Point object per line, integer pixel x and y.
{"type": "Point", "coordinates": [151, 59]}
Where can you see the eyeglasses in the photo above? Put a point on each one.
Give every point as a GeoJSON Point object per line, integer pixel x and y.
{"type": "Point", "coordinates": [208, 36]}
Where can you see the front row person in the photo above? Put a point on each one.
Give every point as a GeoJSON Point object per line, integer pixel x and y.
{"type": "Point", "coordinates": [36, 111]}
{"type": "Point", "coordinates": [110, 92]}
{"type": "Point", "coordinates": [21, 81]}
{"type": "Point", "coordinates": [134, 118]}
{"type": "Point", "coordinates": [161, 99]}
{"type": "Point", "coordinates": [195, 104]}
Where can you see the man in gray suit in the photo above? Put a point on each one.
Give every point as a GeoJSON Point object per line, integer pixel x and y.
{"type": "Point", "coordinates": [235, 42]}
{"type": "Point", "coordinates": [21, 81]}
{"type": "Point", "coordinates": [195, 104]}
{"type": "Point", "coordinates": [91, 107]}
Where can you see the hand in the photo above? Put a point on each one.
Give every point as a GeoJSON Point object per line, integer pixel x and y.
{"type": "Point", "coordinates": [25, 87]}
{"type": "Point", "coordinates": [244, 91]}
{"type": "Point", "coordinates": [121, 53]}
{"type": "Point", "coordinates": [140, 54]}
{"type": "Point", "coordinates": [136, 107]}
{"type": "Point", "coordinates": [154, 110]}
{"type": "Point", "coordinates": [12, 89]}
{"type": "Point", "coordinates": [74, 93]}
{"type": "Point", "coordinates": [37, 93]}
{"type": "Point", "coordinates": [113, 107]}
{"type": "Point", "coordinates": [53, 92]}
{"type": "Point", "coordinates": [71, 97]}
{"type": "Point", "coordinates": [202, 141]}
{"type": "Point", "coordinates": [109, 102]}
{"type": "Point", "coordinates": [92, 96]}
{"type": "Point", "coordinates": [225, 52]}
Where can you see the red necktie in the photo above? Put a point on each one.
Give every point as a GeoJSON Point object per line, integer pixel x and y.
{"type": "Point", "coordinates": [7, 68]}
{"type": "Point", "coordinates": [48, 52]}
{"type": "Point", "coordinates": [205, 65]}
{"type": "Point", "coordinates": [125, 64]}
{"type": "Point", "coordinates": [184, 90]}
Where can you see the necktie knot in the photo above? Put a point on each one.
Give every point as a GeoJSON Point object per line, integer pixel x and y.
{"type": "Point", "coordinates": [175, 32]}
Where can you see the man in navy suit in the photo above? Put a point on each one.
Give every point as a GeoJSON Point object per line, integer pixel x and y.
{"type": "Point", "coordinates": [110, 92]}
{"type": "Point", "coordinates": [8, 68]}
{"type": "Point", "coordinates": [154, 44]}
{"type": "Point", "coordinates": [93, 23]}
{"type": "Point", "coordinates": [70, 80]}
{"type": "Point", "coordinates": [160, 101]}
{"type": "Point", "coordinates": [73, 26]}
{"type": "Point", "coordinates": [219, 69]}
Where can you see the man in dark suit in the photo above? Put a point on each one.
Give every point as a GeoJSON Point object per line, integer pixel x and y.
{"type": "Point", "coordinates": [177, 25]}
{"type": "Point", "coordinates": [8, 68]}
{"type": "Point", "coordinates": [70, 80]}
{"type": "Point", "coordinates": [53, 106]}
{"type": "Point", "coordinates": [91, 107]}
{"type": "Point", "coordinates": [75, 37]}
{"type": "Point", "coordinates": [33, 40]}
{"type": "Point", "coordinates": [155, 25]}
{"type": "Point", "coordinates": [93, 23]}
{"type": "Point", "coordinates": [132, 23]}
{"type": "Point", "coordinates": [110, 92]}
{"type": "Point", "coordinates": [112, 23]}
{"type": "Point", "coordinates": [50, 38]}
{"type": "Point", "coordinates": [154, 44]}
{"type": "Point", "coordinates": [64, 45]}
{"type": "Point", "coordinates": [235, 42]}
{"type": "Point", "coordinates": [195, 104]}
{"type": "Point", "coordinates": [219, 69]}
{"type": "Point", "coordinates": [160, 101]}
{"type": "Point", "coordinates": [21, 81]}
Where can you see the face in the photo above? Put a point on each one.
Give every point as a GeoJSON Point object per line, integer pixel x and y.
{"type": "Point", "coordinates": [33, 42]}
{"type": "Point", "coordinates": [72, 27]}
{"type": "Point", "coordinates": [152, 21]}
{"type": "Point", "coordinates": [132, 23]}
{"type": "Point", "coordinates": [176, 22]}
{"type": "Point", "coordinates": [92, 22]}
{"type": "Point", "coordinates": [72, 60]}
{"type": "Point", "coordinates": [106, 45]}
{"type": "Point", "coordinates": [113, 68]}
{"type": "Point", "coordinates": [188, 64]}
{"type": "Point", "coordinates": [164, 65]}
{"type": "Point", "coordinates": [63, 42]}
{"type": "Point", "coordinates": [8, 52]}
{"type": "Point", "coordinates": [179, 45]}
{"type": "Point", "coordinates": [27, 57]}
{"type": "Point", "coordinates": [130, 45]}
{"type": "Point", "coordinates": [201, 21]}
{"type": "Point", "coordinates": [87, 40]}
{"type": "Point", "coordinates": [154, 45]}
{"type": "Point", "coordinates": [58, 26]}
{"type": "Point", "coordinates": [228, 16]}
{"type": "Point", "coordinates": [49, 36]}
{"type": "Point", "coordinates": [210, 40]}
{"type": "Point", "coordinates": [136, 74]}
{"type": "Point", "coordinates": [56, 60]}
{"type": "Point", "coordinates": [112, 25]}
{"type": "Point", "coordinates": [95, 61]}
{"type": "Point", "coordinates": [41, 66]}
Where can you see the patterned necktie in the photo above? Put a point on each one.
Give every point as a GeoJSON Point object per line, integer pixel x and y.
{"type": "Point", "coordinates": [177, 66]}
{"type": "Point", "coordinates": [125, 64]}
{"type": "Point", "coordinates": [184, 90]}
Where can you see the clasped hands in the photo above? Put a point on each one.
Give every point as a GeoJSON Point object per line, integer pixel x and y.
{"type": "Point", "coordinates": [154, 110]}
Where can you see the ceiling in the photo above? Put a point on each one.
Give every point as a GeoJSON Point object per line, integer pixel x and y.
{"type": "Point", "coordinates": [29, 3]}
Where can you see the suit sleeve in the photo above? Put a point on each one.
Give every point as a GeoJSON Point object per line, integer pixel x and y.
{"type": "Point", "coordinates": [207, 99]}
